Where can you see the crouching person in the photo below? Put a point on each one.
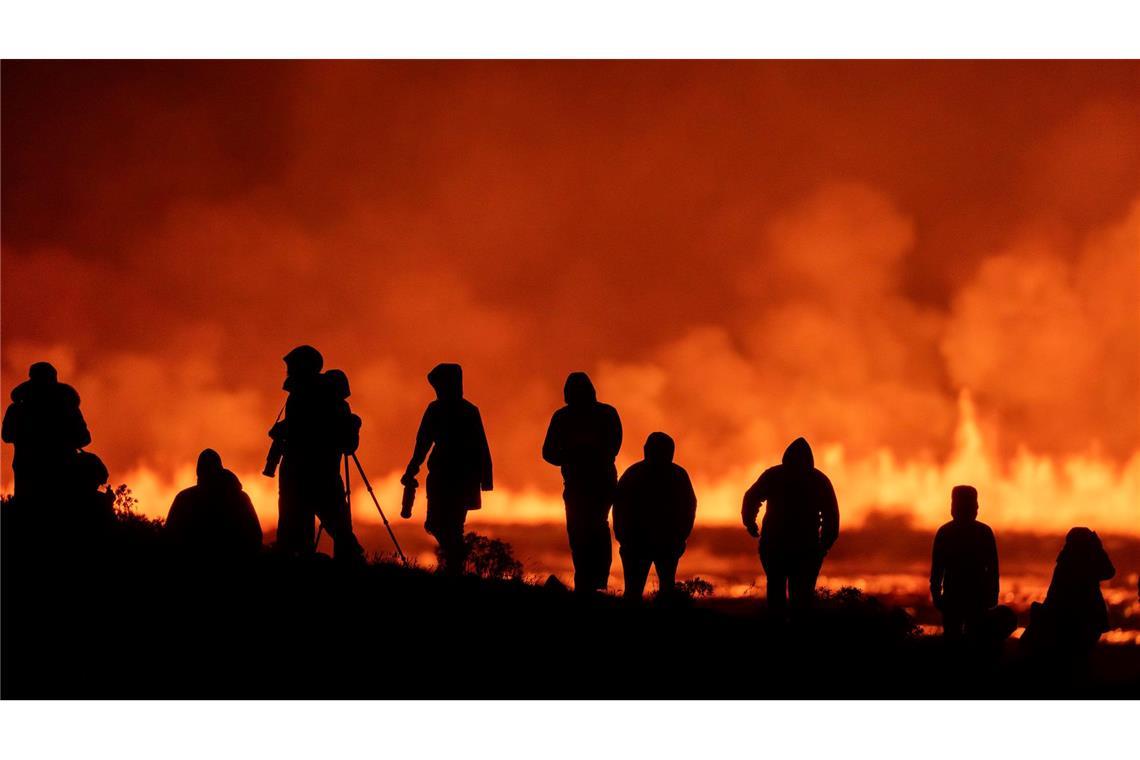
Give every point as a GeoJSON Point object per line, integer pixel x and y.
{"type": "Point", "coordinates": [654, 509]}
{"type": "Point", "coordinates": [214, 521]}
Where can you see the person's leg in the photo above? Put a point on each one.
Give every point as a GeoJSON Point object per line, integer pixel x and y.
{"type": "Point", "coordinates": [952, 626]}
{"type": "Point", "coordinates": [445, 523]}
{"type": "Point", "coordinates": [635, 568]}
{"type": "Point", "coordinates": [579, 540]}
{"type": "Point", "coordinates": [801, 583]}
{"type": "Point", "coordinates": [666, 565]}
{"type": "Point", "coordinates": [336, 517]}
{"type": "Point", "coordinates": [601, 548]}
{"type": "Point", "coordinates": [777, 590]}
{"type": "Point", "coordinates": [295, 528]}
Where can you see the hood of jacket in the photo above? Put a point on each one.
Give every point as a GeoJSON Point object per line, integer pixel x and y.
{"type": "Point", "coordinates": [447, 380]}
{"type": "Point", "coordinates": [798, 455]}
{"type": "Point", "coordinates": [659, 448]}
{"type": "Point", "coordinates": [579, 389]}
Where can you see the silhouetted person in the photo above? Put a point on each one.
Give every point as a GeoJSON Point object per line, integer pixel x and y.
{"type": "Point", "coordinates": [90, 504]}
{"type": "Point", "coordinates": [654, 509]}
{"type": "Point", "coordinates": [214, 520]}
{"type": "Point", "coordinates": [318, 429]}
{"type": "Point", "coordinates": [45, 425]}
{"type": "Point", "coordinates": [459, 467]}
{"type": "Point", "coordinates": [964, 568]}
{"type": "Point", "coordinates": [1070, 622]}
{"type": "Point", "coordinates": [583, 439]}
{"type": "Point", "coordinates": [801, 522]}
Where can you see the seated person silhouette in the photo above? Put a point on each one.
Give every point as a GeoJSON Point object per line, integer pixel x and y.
{"type": "Point", "coordinates": [964, 576]}
{"type": "Point", "coordinates": [1070, 622]}
{"type": "Point", "coordinates": [459, 467]}
{"type": "Point", "coordinates": [46, 427]}
{"type": "Point", "coordinates": [90, 505]}
{"type": "Point", "coordinates": [801, 523]}
{"type": "Point", "coordinates": [654, 509]}
{"type": "Point", "coordinates": [214, 520]}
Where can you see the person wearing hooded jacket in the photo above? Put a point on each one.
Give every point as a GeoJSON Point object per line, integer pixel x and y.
{"type": "Point", "coordinates": [214, 520]}
{"type": "Point", "coordinates": [964, 579]}
{"type": "Point", "coordinates": [654, 510]}
{"type": "Point", "coordinates": [801, 522]}
{"type": "Point", "coordinates": [47, 428]}
{"type": "Point", "coordinates": [459, 465]}
{"type": "Point", "coordinates": [583, 439]}
{"type": "Point", "coordinates": [1068, 625]}
{"type": "Point", "coordinates": [317, 430]}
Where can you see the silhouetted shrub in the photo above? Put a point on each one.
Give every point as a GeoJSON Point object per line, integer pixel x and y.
{"type": "Point", "coordinates": [491, 558]}
{"type": "Point", "coordinates": [695, 588]}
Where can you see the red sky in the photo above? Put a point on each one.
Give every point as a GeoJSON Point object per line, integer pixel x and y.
{"type": "Point", "coordinates": [930, 269]}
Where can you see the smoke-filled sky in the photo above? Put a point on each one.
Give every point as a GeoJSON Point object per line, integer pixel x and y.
{"type": "Point", "coordinates": [930, 269]}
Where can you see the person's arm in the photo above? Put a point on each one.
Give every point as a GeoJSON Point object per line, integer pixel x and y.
{"type": "Point", "coordinates": [11, 415]}
{"type": "Point", "coordinates": [829, 515]}
{"type": "Point", "coordinates": [621, 507]}
{"type": "Point", "coordinates": [615, 434]}
{"type": "Point", "coordinates": [253, 525]}
{"type": "Point", "coordinates": [552, 445]}
{"type": "Point", "coordinates": [937, 570]}
{"type": "Point", "coordinates": [425, 438]}
{"type": "Point", "coordinates": [689, 499]}
{"type": "Point", "coordinates": [487, 482]}
{"type": "Point", "coordinates": [82, 436]}
{"type": "Point", "coordinates": [751, 508]}
{"type": "Point", "coordinates": [994, 587]}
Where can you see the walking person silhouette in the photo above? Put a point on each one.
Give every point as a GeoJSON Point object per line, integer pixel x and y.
{"type": "Point", "coordinates": [459, 465]}
{"type": "Point", "coordinates": [801, 522]}
{"type": "Point", "coordinates": [583, 439]}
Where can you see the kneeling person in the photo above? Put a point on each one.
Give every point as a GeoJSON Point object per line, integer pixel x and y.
{"type": "Point", "coordinates": [654, 509]}
{"type": "Point", "coordinates": [214, 520]}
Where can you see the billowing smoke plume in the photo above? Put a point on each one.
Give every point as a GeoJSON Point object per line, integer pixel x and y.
{"type": "Point", "coordinates": [930, 270]}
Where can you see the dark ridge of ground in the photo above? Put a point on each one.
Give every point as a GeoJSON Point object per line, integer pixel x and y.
{"type": "Point", "coordinates": [121, 620]}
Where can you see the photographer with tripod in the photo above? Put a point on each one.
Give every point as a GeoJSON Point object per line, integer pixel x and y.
{"type": "Point", "coordinates": [318, 428]}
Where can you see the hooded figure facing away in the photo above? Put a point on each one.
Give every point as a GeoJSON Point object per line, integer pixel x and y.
{"type": "Point", "coordinates": [801, 522]}
{"type": "Point", "coordinates": [583, 439]}
{"type": "Point", "coordinates": [1069, 624]}
{"type": "Point", "coordinates": [317, 431]}
{"type": "Point", "coordinates": [459, 467]}
{"type": "Point", "coordinates": [214, 520]}
{"type": "Point", "coordinates": [45, 425]}
{"type": "Point", "coordinates": [964, 577]}
{"type": "Point", "coordinates": [654, 509]}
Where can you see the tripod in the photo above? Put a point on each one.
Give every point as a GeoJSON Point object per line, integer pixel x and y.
{"type": "Point", "coordinates": [348, 499]}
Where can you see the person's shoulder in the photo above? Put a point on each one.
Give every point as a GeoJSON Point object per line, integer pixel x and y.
{"type": "Point", "coordinates": [984, 529]}
{"type": "Point", "coordinates": [635, 469]}
{"type": "Point", "coordinates": [821, 477]}
{"type": "Point", "coordinates": [945, 528]}
{"type": "Point", "coordinates": [608, 408]}
{"type": "Point", "coordinates": [67, 394]}
{"type": "Point", "coordinates": [183, 498]}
